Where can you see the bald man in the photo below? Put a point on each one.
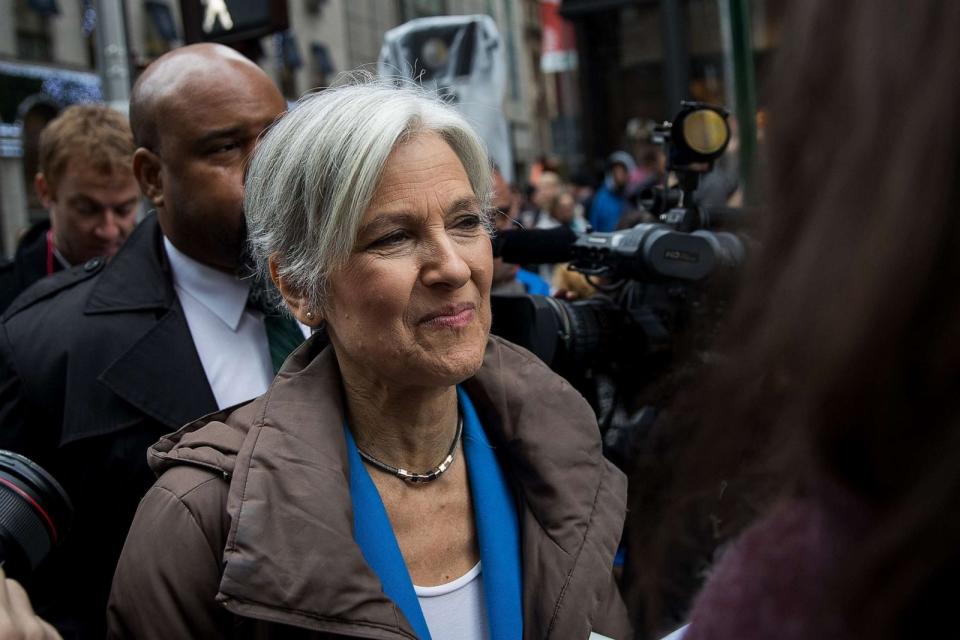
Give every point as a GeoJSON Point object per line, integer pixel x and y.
{"type": "Point", "coordinates": [100, 361]}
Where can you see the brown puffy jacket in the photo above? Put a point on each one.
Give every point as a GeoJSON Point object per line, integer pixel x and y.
{"type": "Point", "coordinates": [248, 531]}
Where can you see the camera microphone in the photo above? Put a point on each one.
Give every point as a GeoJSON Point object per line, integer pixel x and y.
{"type": "Point", "coordinates": [537, 246]}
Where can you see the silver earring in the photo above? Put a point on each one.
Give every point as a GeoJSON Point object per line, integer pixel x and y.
{"type": "Point", "coordinates": [309, 315]}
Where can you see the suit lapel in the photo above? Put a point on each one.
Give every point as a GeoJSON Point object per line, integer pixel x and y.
{"type": "Point", "coordinates": [137, 278]}
{"type": "Point", "coordinates": [161, 374]}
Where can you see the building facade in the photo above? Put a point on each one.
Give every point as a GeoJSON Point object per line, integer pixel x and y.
{"type": "Point", "coordinates": [640, 58]}
{"type": "Point", "coordinates": [49, 59]}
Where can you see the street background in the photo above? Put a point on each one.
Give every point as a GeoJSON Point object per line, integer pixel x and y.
{"type": "Point", "coordinates": [582, 78]}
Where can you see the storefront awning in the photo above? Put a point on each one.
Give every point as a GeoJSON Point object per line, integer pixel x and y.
{"type": "Point", "coordinates": [21, 83]}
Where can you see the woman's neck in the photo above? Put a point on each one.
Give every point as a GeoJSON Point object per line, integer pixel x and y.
{"type": "Point", "coordinates": [409, 428]}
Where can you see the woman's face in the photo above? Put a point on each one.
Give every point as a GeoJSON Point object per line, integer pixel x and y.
{"type": "Point", "coordinates": [412, 304]}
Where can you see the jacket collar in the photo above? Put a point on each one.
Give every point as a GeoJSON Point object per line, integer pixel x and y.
{"type": "Point", "coordinates": [31, 254]}
{"type": "Point", "coordinates": [289, 444]}
{"type": "Point", "coordinates": [137, 278]}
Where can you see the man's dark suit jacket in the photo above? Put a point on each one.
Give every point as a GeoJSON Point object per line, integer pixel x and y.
{"type": "Point", "coordinates": [96, 363]}
{"type": "Point", "coordinates": [29, 264]}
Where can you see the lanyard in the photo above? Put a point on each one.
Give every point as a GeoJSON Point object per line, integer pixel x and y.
{"type": "Point", "coordinates": [49, 251]}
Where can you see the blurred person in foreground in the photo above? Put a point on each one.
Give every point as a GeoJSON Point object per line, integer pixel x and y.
{"type": "Point", "coordinates": [419, 477]}
{"type": "Point", "coordinates": [86, 183]}
{"type": "Point", "coordinates": [97, 363]}
{"type": "Point", "coordinates": [835, 430]}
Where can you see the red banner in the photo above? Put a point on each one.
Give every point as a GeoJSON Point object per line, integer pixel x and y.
{"type": "Point", "coordinates": [559, 51]}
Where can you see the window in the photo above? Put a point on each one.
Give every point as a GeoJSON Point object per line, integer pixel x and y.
{"type": "Point", "coordinates": [33, 29]}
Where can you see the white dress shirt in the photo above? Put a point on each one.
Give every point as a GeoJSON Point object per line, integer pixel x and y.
{"type": "Point", "coordinates": [230, 339]}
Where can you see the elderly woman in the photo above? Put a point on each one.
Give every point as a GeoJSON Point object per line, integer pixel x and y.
{"type": "Point", "coordinates": [417, 478]}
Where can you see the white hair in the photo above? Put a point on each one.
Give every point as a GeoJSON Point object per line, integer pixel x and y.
{"type": "Point", "coordinates": [316, 170]}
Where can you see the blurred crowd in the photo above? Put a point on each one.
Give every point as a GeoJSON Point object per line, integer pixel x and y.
{"type": "Point", "coordinates": [548, 200]}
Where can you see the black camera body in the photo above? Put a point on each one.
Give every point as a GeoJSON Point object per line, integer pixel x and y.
{"type": "Point", "coordinates": [660, 286]}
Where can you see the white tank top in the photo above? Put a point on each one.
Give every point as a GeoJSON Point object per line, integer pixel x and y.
{"type": "Point", "coordinates": [456, 610]}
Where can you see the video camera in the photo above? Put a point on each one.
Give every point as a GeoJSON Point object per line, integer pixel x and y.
{"type": "Point", "coordinates": [651, 280]}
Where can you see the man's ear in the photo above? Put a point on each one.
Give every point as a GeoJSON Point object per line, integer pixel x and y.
{"type": "Point", "coordinates": [147, 170]}
{"type": "Point", "coordinates": [297, 303]}
{"type": "Point", "coordinates": [42, 187]}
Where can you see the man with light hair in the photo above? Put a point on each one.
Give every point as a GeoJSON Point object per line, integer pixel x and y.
{"type": "Point", "coordinates": [86, 184]}
{"type": "Point", "coordinates": [97, 363]}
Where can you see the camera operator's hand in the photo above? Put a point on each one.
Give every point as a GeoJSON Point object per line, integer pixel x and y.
{"type": "Point", "coordinates": [17, 619]}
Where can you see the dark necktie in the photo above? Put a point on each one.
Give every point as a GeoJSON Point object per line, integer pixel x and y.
{"type": "Point", "coordinates": [283, 332]}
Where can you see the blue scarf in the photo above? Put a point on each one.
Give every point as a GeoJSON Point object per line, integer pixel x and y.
{"type": "Point", "coordinates": [498, 532]}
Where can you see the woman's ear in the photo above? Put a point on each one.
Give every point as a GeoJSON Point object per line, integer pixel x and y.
{"type": "Point", "coordinates": [298, 304]}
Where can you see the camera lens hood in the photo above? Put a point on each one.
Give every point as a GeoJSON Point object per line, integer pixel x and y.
{"type": "Point", "coordinates": [35, 514]}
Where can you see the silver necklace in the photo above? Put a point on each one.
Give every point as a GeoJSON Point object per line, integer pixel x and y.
{"type": "Point", "coordinates": [419, 478]}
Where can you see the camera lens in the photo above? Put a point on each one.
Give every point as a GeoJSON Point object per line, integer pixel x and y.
{"type": "Point", "coordinates": [35, 514]}
{"type": "Point", "coordinates": [567, 336]}
{"type": "Point", "coordinates": [589, 329]}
